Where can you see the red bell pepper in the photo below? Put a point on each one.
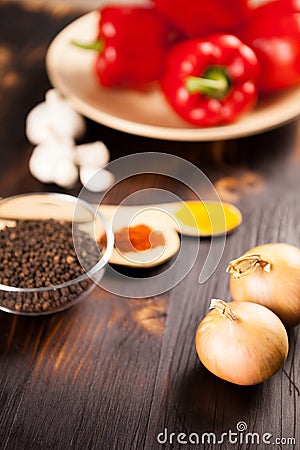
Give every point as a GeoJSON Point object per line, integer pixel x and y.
{"type": "Point", "coordinates": [132, 42]}
{"type": "Point", "coordinates": [201, 17]}
{"type": "Point", "coordinates": [274, 34]}
{"type": "Point", "coordinates": [210, 81]}
{"type": "Point", "coordinates": [268, 12]}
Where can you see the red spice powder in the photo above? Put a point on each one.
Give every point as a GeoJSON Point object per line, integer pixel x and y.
{"type": "Point", "coordinates": [139, 238]}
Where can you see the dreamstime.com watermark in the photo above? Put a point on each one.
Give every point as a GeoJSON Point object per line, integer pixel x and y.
{"type": "Point", "coordinates": [238, 436]}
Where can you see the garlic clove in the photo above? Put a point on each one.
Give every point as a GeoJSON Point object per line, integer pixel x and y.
{"type": "Point", "coordinates": [37, 126]}
{"type": "Point", "coordinates": [94, 154]}
{"type": "Point", "coordinates": [42, 164]}
{"type": "Point", "coordinates": [65, 173]}
{"type": "Point", "coordinates": [60, 147]}
{"type": "Point", "coordinates": [96, 180]}
{"type": "Point", "coordinates": [62, 117]}
{"type": "Point", "coordinates": [53, 162]}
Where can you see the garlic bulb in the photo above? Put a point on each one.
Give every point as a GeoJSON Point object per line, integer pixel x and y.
{"type": "Point", "coordinates": [53, 126]}
{"type": "Point", "coordinates": [241, 342]}
{"type": "Point", "coordinates": [269, 275]}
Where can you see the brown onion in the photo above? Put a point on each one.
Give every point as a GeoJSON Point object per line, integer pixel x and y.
{"type": "Point", "coordinates": [269, 275]}
{"type": "Point", "coordinates": [241, 342]}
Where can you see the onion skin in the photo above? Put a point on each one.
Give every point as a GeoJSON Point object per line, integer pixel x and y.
{"type": "Point", "coordinates": [278, 287]}
{"type": "Point", "coordinates": [246, 350]}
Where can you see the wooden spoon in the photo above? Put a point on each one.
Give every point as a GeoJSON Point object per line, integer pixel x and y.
{"type": "Point", "coordinates": [191, 218]}
{"type": "Point", "coordinates": [125, 218]}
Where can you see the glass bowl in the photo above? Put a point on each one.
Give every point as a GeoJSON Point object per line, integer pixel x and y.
{"type": "Point", "coordinates": [84, 226]}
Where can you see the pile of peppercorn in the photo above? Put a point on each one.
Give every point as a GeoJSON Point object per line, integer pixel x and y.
{"type": "Point", "coordinates": [41, 254]}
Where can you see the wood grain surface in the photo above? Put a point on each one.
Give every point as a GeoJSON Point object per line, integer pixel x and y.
{"type": "Point", "coordinates": [114, 372]}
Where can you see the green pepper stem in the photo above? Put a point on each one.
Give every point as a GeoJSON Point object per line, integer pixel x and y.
{"type": "Point", "coordinates": [214, 83]}
{"type": "Point", "coordinates": [97, 45]}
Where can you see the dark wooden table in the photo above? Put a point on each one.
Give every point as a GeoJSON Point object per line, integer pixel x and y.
{"type": "Point", "coordinates": [113, 372]}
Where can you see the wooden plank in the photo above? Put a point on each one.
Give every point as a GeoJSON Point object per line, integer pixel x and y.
{"type": "Point", "coordinates": [70, 380]}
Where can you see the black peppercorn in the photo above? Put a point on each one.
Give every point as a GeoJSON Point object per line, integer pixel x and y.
{"type": "Point", "coordinates": [41, 254]}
